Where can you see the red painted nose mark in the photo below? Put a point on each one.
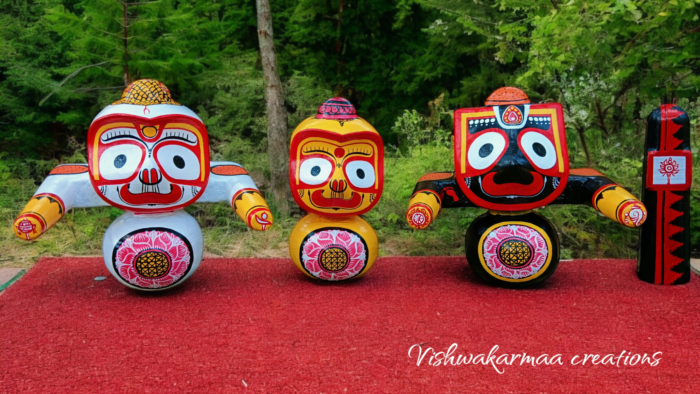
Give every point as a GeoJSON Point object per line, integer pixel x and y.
{"type": "Point", "coordinates": [338, 186]}
{"type": "Point", "coordinates": [149, 177]}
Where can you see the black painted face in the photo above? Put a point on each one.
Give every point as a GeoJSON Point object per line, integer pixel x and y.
{"type": "Point", "coordinates": [515, 156]}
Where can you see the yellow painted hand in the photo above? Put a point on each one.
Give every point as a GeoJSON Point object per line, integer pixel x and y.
{"type": "Point", "coordinates": [250, 206]}
{"type": "Point", "coordinates": [40, 214]}
{"type": "Point", "coordinates": [620, 205]}
{"type": "Point", "coordinates": [422, 209]}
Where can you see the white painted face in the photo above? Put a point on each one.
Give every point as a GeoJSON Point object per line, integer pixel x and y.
{"type": "Point", "coordinates": [145, 164]}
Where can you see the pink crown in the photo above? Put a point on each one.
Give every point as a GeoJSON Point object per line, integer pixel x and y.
{"type": "Point", "coordinates": [336, 108]}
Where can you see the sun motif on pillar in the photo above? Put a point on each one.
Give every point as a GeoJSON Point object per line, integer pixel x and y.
{"type": "Point", "coordinates": [669, 168]}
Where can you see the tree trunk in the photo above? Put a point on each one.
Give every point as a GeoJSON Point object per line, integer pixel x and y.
{"type": "Point", "coordinates": [581, 132]}
{"type": "Point", "coordinates": [339, 42]}
{"type": "Point", "coordinates": [276, 113]}
{"type": "Point", "coordinates": [127, 74]}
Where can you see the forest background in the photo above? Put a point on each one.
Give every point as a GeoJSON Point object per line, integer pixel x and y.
{"type": "Point", "coordinates": [405, 64]}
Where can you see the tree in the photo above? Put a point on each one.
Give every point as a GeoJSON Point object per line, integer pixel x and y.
{"type": "Point", "coordinates": [385, 56]}
{"type": "Point", "coordinates": [604, 61]}
{"type": "Point", "coordinates": [128, 40]}
{"type": "Point", "coordinates": [278, 151]}
{"type": "Point", "coordinates": [29, 52]}
{"type": "Point", "coordinates": [62, 61]}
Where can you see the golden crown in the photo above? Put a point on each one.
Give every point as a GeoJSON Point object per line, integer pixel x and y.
{"type": "Point", "coordinates": [146, 92]}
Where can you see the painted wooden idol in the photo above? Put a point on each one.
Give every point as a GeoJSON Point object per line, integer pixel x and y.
{"type": "Point", "coordinates": [149, 156]}
{"type": "Point", "coordinates": [664, 254]}
{"type": "Point", "coordinates": [336, 173]}
{"type": "Point", "coordinates": [510, 157]}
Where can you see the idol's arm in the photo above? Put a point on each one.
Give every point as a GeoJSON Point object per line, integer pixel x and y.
{"type": "Point", "coordinates": [590, 187]}
{"type": "Point", "coordinates": [433, 192]}
{"type": "Point", "coordinates": [230, 182]}
{"type": "Point", "coordinates": [67, 186]}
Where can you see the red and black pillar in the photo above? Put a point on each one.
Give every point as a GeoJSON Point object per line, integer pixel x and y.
{"type": "Point", "coordinates": [664, 251]}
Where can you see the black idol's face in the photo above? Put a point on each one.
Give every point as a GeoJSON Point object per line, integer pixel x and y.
{"type": "Point", "coordinates": [511, 157]}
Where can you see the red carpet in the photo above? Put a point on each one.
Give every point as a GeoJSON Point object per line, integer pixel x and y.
{"type": "Point", "coordinates": [261, 322]}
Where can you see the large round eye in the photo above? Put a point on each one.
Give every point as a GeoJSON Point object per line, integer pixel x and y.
{"type": "Point", "coordinates": [360, 174]}
{"type": "Point", "coordinates": [178, 162]}
{"type": "Point", "coordinates": [315, 171]}
{"type": "Point", "coordinates": [539, 150]}
{"type": "Point", "coordinates": [120, 161]}
{"type": "Point", "coordinates": [485, 149]}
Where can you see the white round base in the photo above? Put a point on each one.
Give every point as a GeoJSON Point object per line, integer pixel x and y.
{"type": "Point", "coordinates": [153, 252]}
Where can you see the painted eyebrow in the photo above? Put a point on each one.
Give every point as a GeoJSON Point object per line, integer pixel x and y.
{"type": "Point", "coordinates": [363, 152]}
{"type": "Point", "coordinates": [360, 152]}
{"type": "Point", "coordinates": [316, 150]}
{"type": "Point", "coordinates": [179, 136]}
{"type": "Point", "coordinates": [115, 134]}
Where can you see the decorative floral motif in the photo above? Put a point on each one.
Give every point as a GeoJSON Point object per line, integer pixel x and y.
{"type": "Point", "coordinates": [634, 215]}
{"type": "Point", "coordinates": [419, 216]}
{"type": "Point", "coordinates": [515, 252]}
{"type": "Point", "coordinates": [512, 115]}
{"type": "Point", "coordinates": [152, 259]}
{"type": "Point", "coordinates": [669, 168]}
{"type": "Point", "coordinates": [525, 248]}
{"type": "Point", "coordinates": [260, 219]}
{"type": "Point", "coordinates": [26, 227]}
{"type": "Point", "coordinates": [334, 254]}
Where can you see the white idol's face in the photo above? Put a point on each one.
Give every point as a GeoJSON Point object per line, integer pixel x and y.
{"type": "Point", "coordinates": [148, 165]}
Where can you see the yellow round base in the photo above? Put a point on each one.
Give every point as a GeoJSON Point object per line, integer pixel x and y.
{"type": "Point", "coordinates": [333, 249]}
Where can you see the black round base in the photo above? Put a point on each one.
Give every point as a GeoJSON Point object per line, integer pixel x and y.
{"type": "Point", "coordinates": [512, 251]}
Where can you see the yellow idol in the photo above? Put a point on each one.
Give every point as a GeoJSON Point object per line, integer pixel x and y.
{"type": "Point", "coordinates": [333, 248]}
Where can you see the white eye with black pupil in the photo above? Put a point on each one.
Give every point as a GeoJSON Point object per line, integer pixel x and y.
{"type": "Point", "coordinates": [485, 149]}
{"type": "Point", "coordinates": [360, 174]}
{"type": "Point", "coordinates": [179, 162]}
{"type": "Point", "coordinates": [539, 150]}
{"type": "Point", "coordinates": [315, 171]}
{"type": "Point", "coordinates": [120, 161]}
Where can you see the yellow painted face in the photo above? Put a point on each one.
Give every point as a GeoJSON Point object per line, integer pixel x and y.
{"type": "Point", "coordinates": [336, 166]}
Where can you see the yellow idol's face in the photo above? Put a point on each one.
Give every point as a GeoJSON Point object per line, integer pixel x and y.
{"type": "Point", "coordinates": [336, 174]}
